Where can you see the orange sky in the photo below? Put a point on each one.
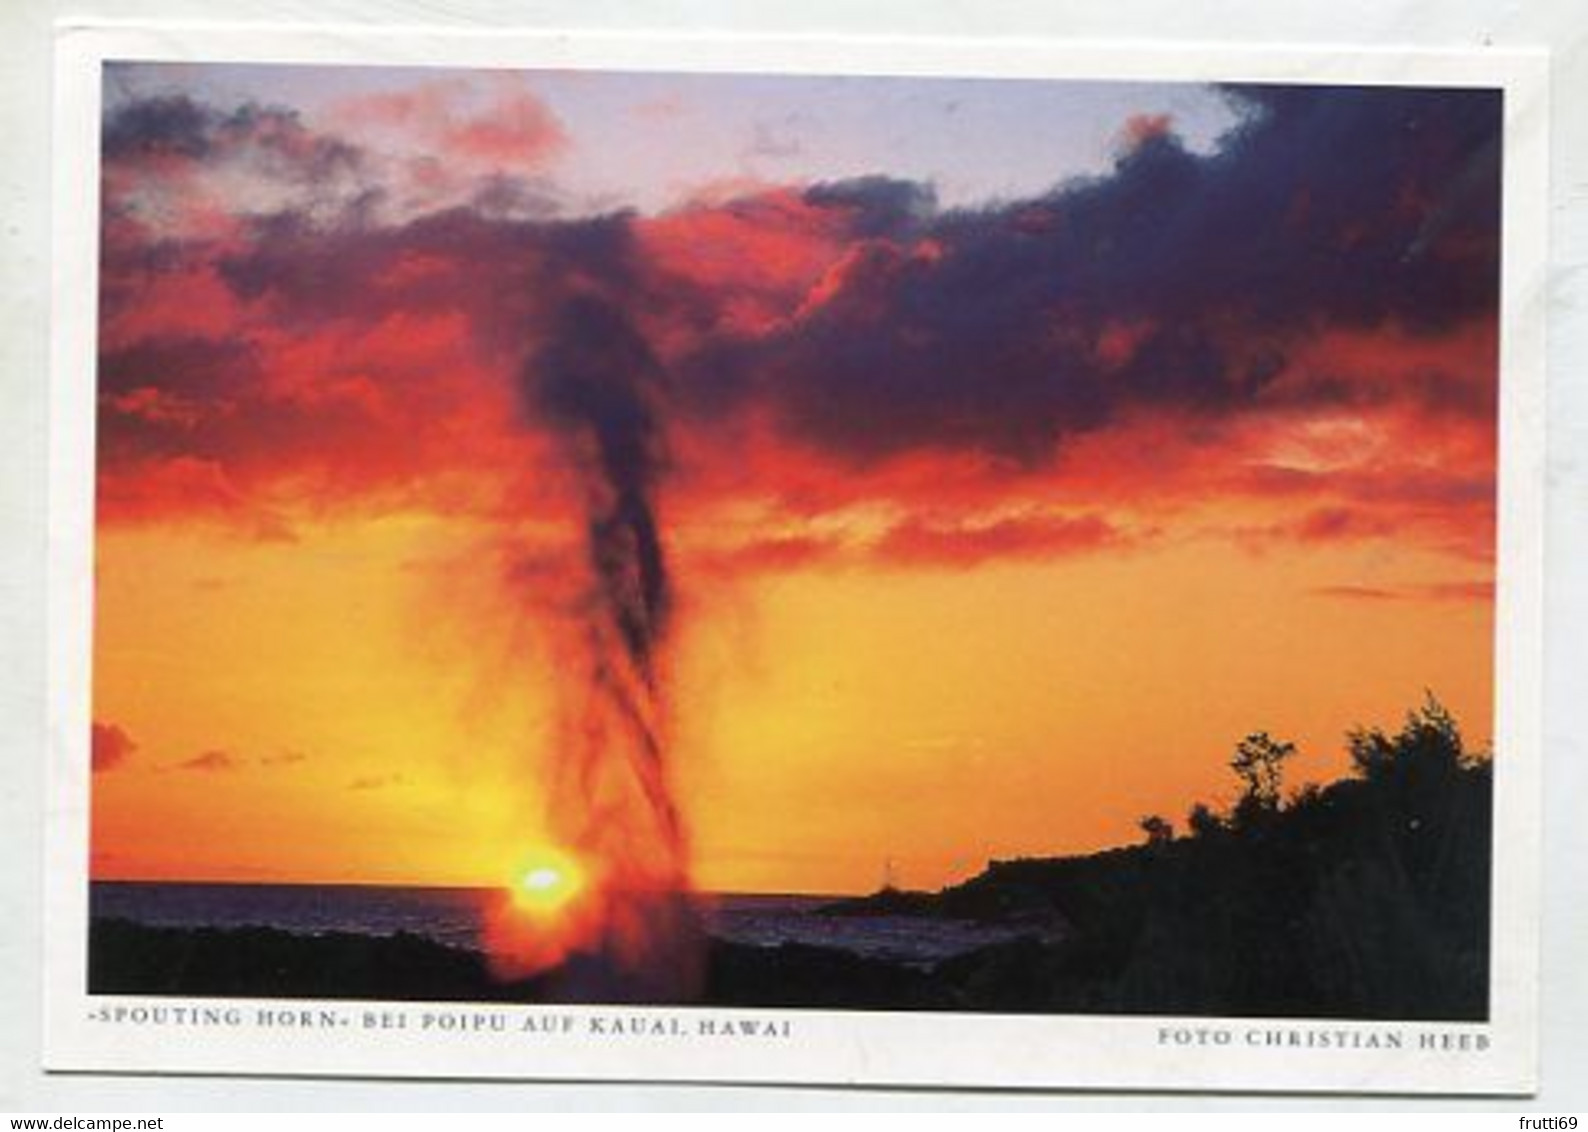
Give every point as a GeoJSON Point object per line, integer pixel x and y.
{"type": "Point", "coordinates": [988, 531]}
{"type": "Point", "coordinates": [828, 719]}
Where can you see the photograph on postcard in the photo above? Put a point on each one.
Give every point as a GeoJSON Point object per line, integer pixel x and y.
{"type": "Point", "coordinates": [881, 544]}
{"type": "Point", "coordinates": [795, 541]}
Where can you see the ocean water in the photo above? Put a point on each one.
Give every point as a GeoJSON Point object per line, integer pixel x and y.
{"type": "Point", "coordinates": [454, 916]}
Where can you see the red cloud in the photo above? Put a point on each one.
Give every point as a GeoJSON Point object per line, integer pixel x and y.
{"type": "Point", "coordinates": [1142, 128]}
{"type": "Point", "coordinates": [1456, 591]}
{"type": "Point", "coordinates": [826, 347]}
{"type": "Point", "coordinates": [110, 746]}
{"type": "Point", "coordinates": [507, 126]}
{"type": "Point", "coordinates": [375, 782]}
{"type": "Point", "coordinates": [210, 761]}
{"type": "Point", "coordinates": [923, 542]}
{"type": "Point", "coordinates": [756, 254]}
{"type": "Point", "coordinates": [514, 129]}
{"type": "Point", "coordinates": [936, 540]}
{"type": "Point", "coordinates": [768, 553]}
{"type": "Point", "coordinates": [184, 487]}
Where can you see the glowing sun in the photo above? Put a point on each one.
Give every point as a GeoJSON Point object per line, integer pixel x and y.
{"type": "Point", "coordinates": [547, 882]}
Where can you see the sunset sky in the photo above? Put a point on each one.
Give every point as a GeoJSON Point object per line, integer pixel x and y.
{"type": "Point", "coordinates": [1018, 448]}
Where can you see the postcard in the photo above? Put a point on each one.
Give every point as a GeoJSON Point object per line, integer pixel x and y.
{"type": "Point", "coordinates": [727, 559]}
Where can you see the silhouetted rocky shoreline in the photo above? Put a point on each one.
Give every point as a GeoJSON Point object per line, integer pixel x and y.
{"type": "Point", "coordinates": [1367, 899]}
{"type": "Point", "coordinates": [257, 962]}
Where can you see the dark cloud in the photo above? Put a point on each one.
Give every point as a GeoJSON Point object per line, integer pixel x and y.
{"type": "Point", "coordinates": [877, 207]}
{"type": "Point", "coordinates": [1459, 591]}
{"type": "Point", "coordinates": [921, 542]}
{"type": "Point", "coordinates": [375, 782]}
{"type": "Point", "coordinates": [989, 328]}
{"type": "Point", "coordinates": [505, 195]}
{"type": "Point", "coordinates": [179, 128]}
{"type": "Point", "coordinates": [506, 275]}
{"type": "Point", "coordinates": [857, 321]}
{"type": "Point", "coordinates": [154, 392]}
{"type": "Point", "coordinates": [217, 760]}
{"type": "Point", "coordinates": [926, 539]}
{"type": "Point", "coordinates": [211, 761]}
{"type": "Point", "coordinates": [174, 125]}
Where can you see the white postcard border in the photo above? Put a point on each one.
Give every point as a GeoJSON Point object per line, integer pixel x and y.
{"type": "Point", "coordinates": [81, 1031]}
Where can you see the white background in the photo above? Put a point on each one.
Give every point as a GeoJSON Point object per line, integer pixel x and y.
{"type": "Point", "coordinates": [24, 251]}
